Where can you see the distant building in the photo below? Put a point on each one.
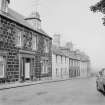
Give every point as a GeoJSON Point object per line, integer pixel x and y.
{"type": "Point", "coordinates": [60, 64]}
{"type": "Point", "coordinates": [69, 45]}
{"type": "Point", "coordinates": [25, 49]}
{"type": "Point", "coordinates": [67, 63]}
{"type": "Point", "coordinates": [56, 40]}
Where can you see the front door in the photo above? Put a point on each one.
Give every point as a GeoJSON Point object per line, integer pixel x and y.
{"type": "Point", "coordinates": [27, 68]}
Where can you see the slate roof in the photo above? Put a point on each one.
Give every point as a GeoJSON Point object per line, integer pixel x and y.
{"type": "Point", "coordinates": [18, 18]}
{"type": "Point", "coordinates": [71, 54]}
{"type": "Point", "coordinates": [58, 51]}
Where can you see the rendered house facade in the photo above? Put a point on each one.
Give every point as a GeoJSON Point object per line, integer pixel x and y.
{"type": "Point", "coordinates": [68, 63]}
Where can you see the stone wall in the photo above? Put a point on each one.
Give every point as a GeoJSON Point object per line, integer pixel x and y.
{"type": "Point", "coordinates": [7, 31]}
{"type": "Point", "coordinates": [7, 44]}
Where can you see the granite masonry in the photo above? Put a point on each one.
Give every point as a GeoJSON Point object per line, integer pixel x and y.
{"type": "Point", "coordinates": [25, 50]}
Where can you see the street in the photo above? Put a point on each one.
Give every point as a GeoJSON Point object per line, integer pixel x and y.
{"type": "Point", "coordinates": [70, 92]}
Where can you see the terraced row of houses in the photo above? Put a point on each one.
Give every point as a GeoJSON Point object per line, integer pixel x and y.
{"type": "Point", "coordinates": [67, 62]}
{"type": "Point", "coordinates": [26, 51]}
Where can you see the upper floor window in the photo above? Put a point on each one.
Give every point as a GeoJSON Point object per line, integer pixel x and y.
{"type": "Point", "coordinates": [34, 42]}
{"type": "Point", "coordinates": [61, 59]}
{"type": "Point", "coordinates": [65, 59]}
{"type": "Point", "coordinates": [18, 38]}
{"type": "Point", "coordinates": [56, 58]}
{"type": "Point", "coordinates": [46, 46]}
{"type": "Point", "coordinates": [4, 5]}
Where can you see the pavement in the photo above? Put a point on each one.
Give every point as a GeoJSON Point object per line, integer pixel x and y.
{"type": "Point", "coordinates": [28, 83]}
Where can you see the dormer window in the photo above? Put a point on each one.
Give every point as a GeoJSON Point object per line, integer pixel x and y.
{"type": "Point", "coordinates": [4, 5]}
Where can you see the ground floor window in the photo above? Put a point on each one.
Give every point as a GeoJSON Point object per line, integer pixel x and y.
{"type": "Point", "coordinates": [44, 66]}
{"type": "Point", "coordinates": [57, 72]}
{"type": "Point", "coordinates": [2, 66]}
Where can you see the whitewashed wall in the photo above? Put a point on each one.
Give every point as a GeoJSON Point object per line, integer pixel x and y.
{"type": "Point", "coordinates": [83, 69]}
{"type": "Point", "coordinates": [60, 68]}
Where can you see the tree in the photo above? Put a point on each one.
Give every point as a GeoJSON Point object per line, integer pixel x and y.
{"type": "Point", "coordinates": [99, 7]}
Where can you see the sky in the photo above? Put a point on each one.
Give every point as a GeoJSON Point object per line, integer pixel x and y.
{"type": "Point", "coordinates": [74, 21]}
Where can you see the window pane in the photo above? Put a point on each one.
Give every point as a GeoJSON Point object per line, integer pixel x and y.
{"type": "Point", "coordinates": [18, 38]}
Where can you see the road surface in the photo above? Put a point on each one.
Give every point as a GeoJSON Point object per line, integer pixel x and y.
{"type": "Point", "coordinates": [70, 92]}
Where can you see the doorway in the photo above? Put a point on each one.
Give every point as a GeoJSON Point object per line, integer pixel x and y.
{"type": "Point", "coordinates": [26, 68]}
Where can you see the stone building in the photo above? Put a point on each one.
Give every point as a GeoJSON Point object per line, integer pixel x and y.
{"type": "Point", "coordinates": [68, 63]}
{"type": "Point", "coordinates": [25, 49]}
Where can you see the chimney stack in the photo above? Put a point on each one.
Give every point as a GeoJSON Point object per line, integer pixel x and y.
{"type": "Point", "coordinates": [4, 5]}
